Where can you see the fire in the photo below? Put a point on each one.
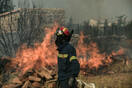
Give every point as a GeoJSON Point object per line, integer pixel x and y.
{"type": "Point", "coordinates": [90, 56]}
{"type": "Point", "coordinates": [40, 55]}
{"type": "Point", "coordinates": [45, 54]}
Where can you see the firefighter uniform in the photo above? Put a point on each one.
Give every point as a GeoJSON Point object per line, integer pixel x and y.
{"type": "Point", "coordinates": [68, 65]}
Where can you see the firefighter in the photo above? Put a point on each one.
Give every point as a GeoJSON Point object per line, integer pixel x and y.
{"type": "Point", "coordinates": [68, 65]}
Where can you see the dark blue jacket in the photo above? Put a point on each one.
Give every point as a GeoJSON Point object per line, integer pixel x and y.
{"type": "Point", "coordinates": [68, 65]}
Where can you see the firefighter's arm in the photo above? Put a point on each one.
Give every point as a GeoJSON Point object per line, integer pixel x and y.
{"type": "Point", "coordinates": [74, 64]}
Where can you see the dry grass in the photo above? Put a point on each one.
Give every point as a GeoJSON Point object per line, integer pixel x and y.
{"type": "Point", "coordinates": [122, 77]}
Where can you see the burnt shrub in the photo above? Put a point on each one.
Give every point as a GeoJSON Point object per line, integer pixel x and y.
{"type": "Point", "coordinates": [3, 63]}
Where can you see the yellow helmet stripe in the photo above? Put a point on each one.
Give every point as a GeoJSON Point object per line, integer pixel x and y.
{"type": "Point", "coordinates": [64, 29]}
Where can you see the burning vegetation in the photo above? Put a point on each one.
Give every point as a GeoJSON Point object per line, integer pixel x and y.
{"type": "Point", "coordinates": [43, 54]}
{"type": "Point", "coordinates": [30, 61]}
{"type": "Point", "coordinates": [90, 57]}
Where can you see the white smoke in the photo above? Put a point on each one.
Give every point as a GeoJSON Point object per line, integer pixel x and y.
{"type": "Point", "coordinates": [82, 10]}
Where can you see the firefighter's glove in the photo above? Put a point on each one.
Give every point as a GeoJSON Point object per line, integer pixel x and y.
{"type": "Point", "coordinates": [71, 82]}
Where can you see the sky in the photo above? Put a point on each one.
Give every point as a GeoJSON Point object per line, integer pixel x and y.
{"type": "Point", "coordinates": [83, 10]}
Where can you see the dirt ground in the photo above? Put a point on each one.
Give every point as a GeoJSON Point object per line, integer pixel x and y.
{"type": "Point", "coordinates": [116, 75]}
{"type": "Point", "coordinates": [119, 76]}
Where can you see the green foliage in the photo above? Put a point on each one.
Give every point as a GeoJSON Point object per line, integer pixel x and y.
{"type": "Point", "coordinates": [6, 5]}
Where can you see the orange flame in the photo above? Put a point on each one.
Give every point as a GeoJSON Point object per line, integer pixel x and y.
{"type": "Point", "coordinates": [41, 55]}
{"type": "Point", "coordinates": [90, 56]}
{"type": "Point", "coordinates": [45, 54]}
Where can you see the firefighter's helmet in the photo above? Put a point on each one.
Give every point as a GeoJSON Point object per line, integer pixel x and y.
{"type": "Point", "coordinates": [62, 31]}
{"type": "Point", "coordinates": [63, 35]}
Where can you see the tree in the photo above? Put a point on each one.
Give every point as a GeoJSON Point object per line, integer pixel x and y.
{"type": "Point", "coordinates": [27, 29]}
{"type": "Point", "coordinates": [128, 30]}
{"type": "Point", "coordinates": [24, 27]}
{"type": "Point", "coordinates": [23, 30]}
{"type": "Point", "coordinates": [6, 5]}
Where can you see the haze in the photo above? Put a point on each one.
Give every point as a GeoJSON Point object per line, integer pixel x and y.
{"type": "Point", "coordinates": [82, 10]}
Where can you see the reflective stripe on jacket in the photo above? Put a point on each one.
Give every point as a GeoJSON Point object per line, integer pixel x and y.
{"type": "Point", "coordinates": [68, 64]}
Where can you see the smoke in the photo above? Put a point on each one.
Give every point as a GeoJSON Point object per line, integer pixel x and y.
{"type": "Point", "coordinates": [82, 10]}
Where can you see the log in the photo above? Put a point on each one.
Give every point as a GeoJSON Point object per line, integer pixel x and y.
{"type": "Point", "coordinates": [35, 74]}
{"type": "Point", "coordinates": [12, 86]}
{"type": "Point", "coordinates": [53, 80]}
{"type": "Point", "coordinates": [31, 86]}
{"type": "Point", "coordinates": [16, 80]}
{"type": "Point", "coordinates": [36, 84]}
{"type": "Point", "coordinates": [24, 80]}
{"type": "Point", "coordinates": [40, 78]}
{"type": "Point", "coordinates": [49, 71]}
{"type": "Point", "coordinates": [51, 85]}
{"type": "Point", "coordinates": [30, 70]}
{"type": "Point", "coordinates": [45, 74]}
{"type": "Point", "coordinates": [26, 84]}
{"type": "Point", "coordinates": [33, 78]}
{"type": "Point", "coordinates": [42, 87]}
{"type": "Point", "coordinates": [110, 72]}
{"type": "Point", "coordinates": [40, 74]}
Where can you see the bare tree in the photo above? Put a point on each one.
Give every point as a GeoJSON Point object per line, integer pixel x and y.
{"type": "Point", "coordinates": [26, 26]}
{"type": "Point", "coordinates": [30, 27]}
{"type": "Point", "coordinates": [6, 5]}
{"type": "Point", "coordinates": [26, 29]}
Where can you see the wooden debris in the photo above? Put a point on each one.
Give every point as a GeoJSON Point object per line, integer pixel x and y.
{"type": "Point", "coordinates": [33, 78]}
{"type": "Point", "coordinates": [16, 80]}
{"type": "Point", "coordinates": [40, 78]}
{"type": "Point", "coordinates": [44, 73]}
{"type": "Point", "coordinates": [51, 85]}
{"type": "Point", "coordinates": [40, 74]}
{"type": "Point", "coordinates": [42, 86]}
{"type": "Point", "coordinates": [36, 84]}
{"type": "Point", "coordinates": [45, 69]}
{"type": "Point", "coordinates": [110, 72]}
{"type": "Point", "coordinates": [30, 71]}
{"type": "Point", "coordinates": [26, 84]}
{"type": "Point", "coordinates": [31, 86]}
{"type": "Point", "coordinates": [35, 74]}
{"type": "Point", "coordinates": [12, 86]}
{"type": "Point", "coordinates": [24, 79]}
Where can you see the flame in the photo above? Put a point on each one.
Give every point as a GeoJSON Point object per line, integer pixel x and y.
{"type": "Point", "coordinates": [45, 54]}
{"type": "Point", "coordinates": [39, 55]}
{"type": "Point", "coordinates": [90, 56]}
